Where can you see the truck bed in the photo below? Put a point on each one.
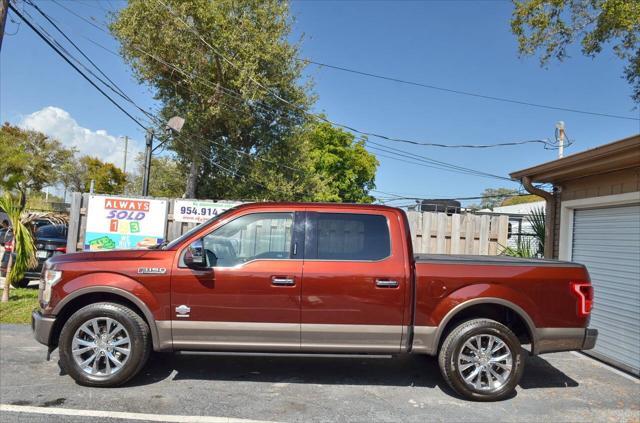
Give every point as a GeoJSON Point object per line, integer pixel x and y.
{"type": "Point", "coordinates": [489, 260]}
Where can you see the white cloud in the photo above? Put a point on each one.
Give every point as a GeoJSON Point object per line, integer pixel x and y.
{"type": "Point", "coordinates": [58, 124]}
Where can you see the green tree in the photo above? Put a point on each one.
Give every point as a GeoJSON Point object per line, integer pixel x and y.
{"type": "Point", "coordinates": [521, 199]}
{"type": "Point", "coordinates": [30, 160]}
{"type": "Point", "coordinates": [202, 58]}
{"type": "Point", "coordinates": [107, 178]}
{"type": "Point", "coordinates": [167, 177]}
{"type": "Point", "coordinates": [343, 170]}
{"type": "Point", "coordinates": [494, 197]}
{"type": "Point", "coordinates": [551, 26]}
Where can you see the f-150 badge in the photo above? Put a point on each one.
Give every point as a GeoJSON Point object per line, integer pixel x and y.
{"type": "Point", "coordinates": [152, 270]}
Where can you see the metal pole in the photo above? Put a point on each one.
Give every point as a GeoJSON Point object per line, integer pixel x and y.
{"type": "Point", "coordinates": [560, 138]}
{"type": "Point", "coordinates": [126, 147]}
{"type": "Point", "coordinates": [4, 9]}
{"type": "Point", "coordinates": [147, 162]}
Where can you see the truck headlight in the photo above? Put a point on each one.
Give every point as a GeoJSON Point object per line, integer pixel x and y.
{"type": "Point", "coordinates": [51, 277]}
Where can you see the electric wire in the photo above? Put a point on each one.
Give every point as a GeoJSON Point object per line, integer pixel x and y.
{"type": "Point", "coordinates": [466, 93]}
{"type": "Point", "coordinates": [50, 44]}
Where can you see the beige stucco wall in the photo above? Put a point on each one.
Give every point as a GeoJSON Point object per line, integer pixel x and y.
{"type": "Point", "coordinates": [618, 182]}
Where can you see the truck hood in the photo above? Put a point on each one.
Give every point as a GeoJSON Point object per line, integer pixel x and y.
{"type": "Point", "coordinates": [98, 256]}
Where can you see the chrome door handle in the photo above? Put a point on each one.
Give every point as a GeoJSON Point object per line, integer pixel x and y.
{"type": "Point", "coordinates": [386, 283]}
{"type": "Point", "coordinates": [282, 281]}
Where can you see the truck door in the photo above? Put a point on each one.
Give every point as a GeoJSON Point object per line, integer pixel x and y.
{"type": "Point", "coordinates": [249, 299]}
{"type": "Point", "coordinates": [354, 282]}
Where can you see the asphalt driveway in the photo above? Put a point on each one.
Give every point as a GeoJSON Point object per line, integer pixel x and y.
{"type": "Point", "coordinates": [555, 387]}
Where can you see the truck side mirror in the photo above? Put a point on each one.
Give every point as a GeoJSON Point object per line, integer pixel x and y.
{"type": "Point", "coordinates": [194, 257]}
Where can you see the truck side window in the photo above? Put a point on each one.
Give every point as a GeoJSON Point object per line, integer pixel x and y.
{"type": "Point", "coordinates": [250, 237]}
{"type": "Point", "coordinates": [344, 236]}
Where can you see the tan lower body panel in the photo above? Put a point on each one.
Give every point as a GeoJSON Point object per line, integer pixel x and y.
{"type": "Point", "coordinates": [424, 338]}
{"type": "Point", "coordinates": [235, 336]}
{"type": "Point", "coordinates": [351, 338]}
{"type": "Point", "coordinates": [290, 337]}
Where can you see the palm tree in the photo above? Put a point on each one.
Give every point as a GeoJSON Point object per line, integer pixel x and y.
{"type": "Point", "coordinates": [537, 221]}
{"type": "Point", "coordinates": [23, 245]}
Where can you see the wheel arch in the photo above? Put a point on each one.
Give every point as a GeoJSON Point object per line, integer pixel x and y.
{"type": "Point", "coordinates": [461, 311]}
{"type": "Point", "coordinates": [90, 295]}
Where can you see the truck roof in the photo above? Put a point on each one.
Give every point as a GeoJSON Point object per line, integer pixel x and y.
{"type": "Point", "coordinates": [321, 205]}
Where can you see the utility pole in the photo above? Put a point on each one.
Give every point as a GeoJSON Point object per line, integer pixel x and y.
{"type": "Point", "coordinates": [560, 138]}
{"type": "Point", "coordinates": [174, 125]}
{"type": "Point", "coordinates": [147, 161]}
{"type": "Point", "coordinates": [126, 148]}
{"type": "Point", "coordinates": [4, 9]}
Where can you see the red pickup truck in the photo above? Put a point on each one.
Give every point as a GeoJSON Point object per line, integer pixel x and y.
{"type": "Point", "coordinates": [311, 278]}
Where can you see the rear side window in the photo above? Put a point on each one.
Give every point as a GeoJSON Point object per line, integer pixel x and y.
{"type": "Point", "coordinates": [344, 236]}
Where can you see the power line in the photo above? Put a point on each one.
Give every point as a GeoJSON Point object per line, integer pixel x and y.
{"type": "Point", "coordinates": [32, 4]}
{"type": "Point", "coordinates": [467, 93]}
{"type": "Point", "coordinates": [234, 94]}
{"type": "Point", "coordinates": [110, 85]}
{"type": "Point", "coordinates": [30, 25]}
{"type": "Point", "coordinates": [50, 43]}
{"type": "Point", "coordinates": [432, 163]}
{"type": "Point", "coordinates": [216, 51]}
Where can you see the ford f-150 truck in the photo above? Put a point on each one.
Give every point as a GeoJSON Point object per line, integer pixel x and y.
{"type": "Point", "coordinates": [311, 278]}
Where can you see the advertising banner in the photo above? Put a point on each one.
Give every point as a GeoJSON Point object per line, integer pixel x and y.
{"type": "Point", "coordinates": [122, 223]}
{"type": "Point", "coordinates": [199, 211]}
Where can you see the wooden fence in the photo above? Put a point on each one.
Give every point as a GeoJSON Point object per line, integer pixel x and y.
{"type": "Point", "coordinates": [439, 233]}
{"type": "Point", "coordinates": [435, 233]}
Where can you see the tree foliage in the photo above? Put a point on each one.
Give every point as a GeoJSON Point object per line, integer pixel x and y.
{"type": "Point", "coordinates": [232, 124]}
{"type": "Point", "coordinates": [551, 26]}
{"type": "Point", "coordinates": [345, 169]}
{"type": "Point", "coordinates": [30, 160]}
{"type": "Point", "coordinates": [107, 178]}
{"type": "Point", "coordinates": [494, 197]}
{"type": "Point", "coordinates": [521, 199]}
{"type": "Point", "coordinates": [167, 178]}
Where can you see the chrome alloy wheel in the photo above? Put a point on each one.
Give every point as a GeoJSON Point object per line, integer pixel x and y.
{"type": "Point", "coordinates": [485, 362]}
{"type": "Point", "coordinates": [101, 346]}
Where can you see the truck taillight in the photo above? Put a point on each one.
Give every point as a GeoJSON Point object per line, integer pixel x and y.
{"type": "Point", "coordinates": [8, 246]}
{"type": "Point", "coordinates": [584, 292]}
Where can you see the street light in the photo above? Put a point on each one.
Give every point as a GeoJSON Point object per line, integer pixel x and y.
{"type": "Point", "coordinates": [174, 125]}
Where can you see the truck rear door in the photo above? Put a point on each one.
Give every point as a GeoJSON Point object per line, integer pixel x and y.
{"type": "Point", "coordinates": [354, 282]}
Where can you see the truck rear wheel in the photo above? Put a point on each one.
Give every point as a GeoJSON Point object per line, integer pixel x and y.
{"type": "Point", "coordinates": [104, 345]}
{"type": "Point", "coordinates": [482, 360]}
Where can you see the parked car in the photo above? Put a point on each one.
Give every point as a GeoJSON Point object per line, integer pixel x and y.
{"type": "Point", "coordinates": [311, 278]}
{"type": "Point", "coordinates": [3, 235]}
{"type": "Point", "coordinates": [50, 240]}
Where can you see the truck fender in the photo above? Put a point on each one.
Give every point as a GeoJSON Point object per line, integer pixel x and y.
{"type": "Point", "coordinates": [124, 287]}
{"type": "Point", "coordinates": [457, 301]}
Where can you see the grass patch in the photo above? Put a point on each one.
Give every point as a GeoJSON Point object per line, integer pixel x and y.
{"type": "Point", "coordinates": [21, 303]}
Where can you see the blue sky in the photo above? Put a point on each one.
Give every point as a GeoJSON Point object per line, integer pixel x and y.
{"type": "Point", "coordinates": [463, 45]}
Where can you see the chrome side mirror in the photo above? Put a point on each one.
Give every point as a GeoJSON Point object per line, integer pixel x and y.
{"type": "Point", "coordinates": [195, 256]}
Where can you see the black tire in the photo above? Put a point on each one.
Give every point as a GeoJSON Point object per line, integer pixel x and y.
{"type": "Point", "coordinates": [454, 344]}
{"type": "Point", "coordinates": [22, 283]}
{"type": "Point", "coordinates": [139, 347]}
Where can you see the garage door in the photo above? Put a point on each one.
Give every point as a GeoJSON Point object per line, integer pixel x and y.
{"type": "Point", "coordinates": [607, 241]}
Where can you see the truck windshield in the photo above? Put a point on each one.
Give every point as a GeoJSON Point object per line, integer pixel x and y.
{"type": "Point", "coordinates": [194, 229]}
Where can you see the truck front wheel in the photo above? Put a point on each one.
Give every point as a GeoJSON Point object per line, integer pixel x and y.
{"type": "Point", "coordinates": [482, 360]}
{"type": "Point", "coordinates": [104, 344]}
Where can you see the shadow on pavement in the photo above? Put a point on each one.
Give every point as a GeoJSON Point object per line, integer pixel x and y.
{"type": "Point", "coordinates": [538, 373]}
{"type": "Point", "coordinates": [404, 370]}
